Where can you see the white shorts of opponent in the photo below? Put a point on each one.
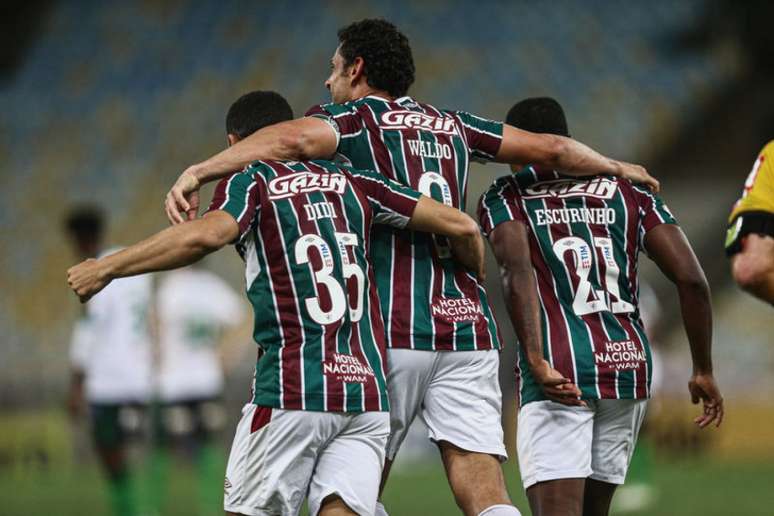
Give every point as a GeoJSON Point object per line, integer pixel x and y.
{"type": "Point", "coordinates": [455, 393]}
{"type": "Point", "coordinates": [555, 441]}
{"type": "Point", "coordinates": [279, 457]}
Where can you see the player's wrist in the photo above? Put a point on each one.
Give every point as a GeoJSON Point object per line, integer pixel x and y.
{"type": "Point", "coordinates": [108, 270]}
{"type": "Point", "coordinates": [538, 366]}
{"type": "Point", "coordinates": [194, 175]}
{"type": "Point", "coordinates": [616, 168]}
{"type": "Point", "coordinates": [702, 371]}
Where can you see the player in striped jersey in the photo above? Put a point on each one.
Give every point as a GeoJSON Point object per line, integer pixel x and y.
{"type": "Point", "coordinates": [750, 235]}
{"type": "Point", "coordinates": [429, 304]}
{"type": "Point", "coordinates": [584, 361]}
{"type": "Point", "coordinates": [317, 425]}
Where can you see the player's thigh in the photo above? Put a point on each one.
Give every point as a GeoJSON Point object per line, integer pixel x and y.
{"type": "Point", "coordinates": [349, 467]}
{"type": "Point", "coordinates": [553, 441]}
{"type": "Point", "coordinates": [616, 427]}
{"type": "Point", "coordinates": [272, 459]}
{"type": "Point", "coordinates": [463, 403]}
{"type": "Point", "coordinates": [409, 373]}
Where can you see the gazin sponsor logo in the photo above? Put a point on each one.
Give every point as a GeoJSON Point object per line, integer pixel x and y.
{"type": "Point", "coordinates": [601, 188]}
{"type": "Point", "coordinates": [404, 119]}
{"type": "Point", "coordinates": [304, 182]}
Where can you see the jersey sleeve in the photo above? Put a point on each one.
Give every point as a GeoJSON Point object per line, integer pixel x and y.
{"type": "Point", "coordinates": [344, 119]}
{"type": "Point", "coordinates": [653, 211]}
{"type": "Point", "coordinates": [237, 195]}
{"type": "Point", "coordinates": [391, 202]}
{"type": "Point", "coordinates": [499, 204]}
{"type": "Point", "coordinates": [483, 136]}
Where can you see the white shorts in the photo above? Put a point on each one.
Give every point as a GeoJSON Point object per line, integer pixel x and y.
{"type": "Point", "coordinates": [279, 457]}
{"type": "Point", "coordinates": [555, 441]}
{"type": "Point", "coordinates": [455, 393]}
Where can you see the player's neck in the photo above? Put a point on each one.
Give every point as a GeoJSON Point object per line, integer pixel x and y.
{"type": "Point", "coordinates": [367, 91]}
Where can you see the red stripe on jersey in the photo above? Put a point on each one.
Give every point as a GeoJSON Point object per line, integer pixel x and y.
{"type": "Point", "coordinates": [370, 389]}
{"type": "Point", "coordinates": [632, 249]}
{"type": "Point", "coordinates": [606, 375]}
{"type": "Point", "coordinates": [290, 320]}
{"type": "Point", "coordinates": [261, 418]}
{"type": "Point", "coordinates": [561, 348]}
{"type": "Point", "coordinates": [400, 315]}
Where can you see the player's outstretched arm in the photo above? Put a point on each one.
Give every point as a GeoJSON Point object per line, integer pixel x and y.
{"type": "Point", "coordinates": [464, 236]}
{"type": "Point", "coordinates": [303, 138]}
{"type": "Point", "coordinates": [565, 154]}
{"type": "Point", "coordinates": [168, 249]}
{"type": "Point", "coordinates": [510, 246]}
{"type": "Point", "coordinates": [669, 248]}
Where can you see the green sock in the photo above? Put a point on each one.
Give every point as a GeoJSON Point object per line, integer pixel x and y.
{"type": "Point", "coordinates": [157, 479]}
{"type": "Point", "coordinates": [121, 495]}
{"type": "Point", "coordinates": [209, 464]}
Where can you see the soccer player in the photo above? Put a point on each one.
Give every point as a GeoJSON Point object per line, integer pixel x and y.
{"type": "Point", "coordinates": [317, 425]}
{"type": "Point", "coordinates": [111, 362]}
{"type": "Point", "coordinates": [568, 250]}
{"type": "Point", "coordinates": [750, 236]}
{"type": "Point", "coordinates": [429, 303]}
{"type": "Point", "coordinates": [193, 330]}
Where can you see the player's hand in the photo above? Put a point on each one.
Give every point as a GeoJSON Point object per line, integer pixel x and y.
{"type": "Point", "coordinates": [182, 202]}
{"type": "Point", "coordinates": [555, 386]}
{"type": "Point", "coordinates": [638, 174]}
{"type": "Point", "coordinates": [703, 387]}
{"type": "Point", "coordinates": [87, 278]}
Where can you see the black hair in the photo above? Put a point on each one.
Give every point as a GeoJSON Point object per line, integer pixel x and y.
{"type": "Point", "coordinates": [255, 110]}
{"type": "Point", "coordinates": [386, 54]}
{"type": "Point", "coordinates": [85, 223]}
{"type": "Point", "coordinates": [538, 115]}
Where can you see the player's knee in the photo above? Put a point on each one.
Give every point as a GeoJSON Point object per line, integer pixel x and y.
{"type": "Point", "coordinates": [750, 270]}
{"type": "Point", "coordinates": [333, 505]}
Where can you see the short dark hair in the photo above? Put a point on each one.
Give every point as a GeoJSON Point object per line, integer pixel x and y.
{"type": "Point", "coordinates": [538, 115]}
{"type": "Point", "coordinates": [85, 223]}
{"type": "Point", "coordinates": [386, 53]}
{"type": "Point", "coordinates": [255, 110]}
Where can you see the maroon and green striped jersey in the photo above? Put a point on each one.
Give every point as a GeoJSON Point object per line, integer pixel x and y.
{"type": "Point", "coordinates": [304, 234]}
{"type": "Point", "coordinates": [585, 236]}
{"type": "Point", "coordinates": [429, 301]}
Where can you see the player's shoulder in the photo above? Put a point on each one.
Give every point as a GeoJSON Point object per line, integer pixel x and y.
{"type": "Point", "coordinates": [335, 109]}
{"type": "Point", "coordinates": [767, 153]}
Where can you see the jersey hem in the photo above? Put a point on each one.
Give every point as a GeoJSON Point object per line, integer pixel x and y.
{"type": "Point", "coordinates": [319, 400]}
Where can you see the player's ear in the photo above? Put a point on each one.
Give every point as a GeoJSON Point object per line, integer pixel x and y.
{"type": "Point", "coordinates": [356, 70]}
{"type": "Point", "coordinates": [232, 139]}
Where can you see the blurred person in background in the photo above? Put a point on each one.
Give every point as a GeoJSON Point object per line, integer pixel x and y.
{"type": "Point", "coordinates": [450, 345]}
{"type": "Point", "coordinates": [197, 314]}
{"type": "Point", "coordinates": [317, 425]}
{"type": "Point", "coordinates": [568, 250]}
{"type": "Point", "coordinates": [750, 235]}
{"type": "Point", "coordinates": [111, 362]}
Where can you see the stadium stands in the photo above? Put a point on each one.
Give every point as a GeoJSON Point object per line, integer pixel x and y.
{"type": "Point", "coordinates": [115, 99]}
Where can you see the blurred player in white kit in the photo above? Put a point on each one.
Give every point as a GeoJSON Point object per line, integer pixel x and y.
{"type": "Point", "coordinates": [110, 355]}
{"type": "Point", "coordinates": [197, 310]}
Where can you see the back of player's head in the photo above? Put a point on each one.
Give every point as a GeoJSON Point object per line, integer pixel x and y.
{"type": "Point", "coordinates": [85, 225]}
{"type": "Point", "coordinates": [538, 115]}
{"type": "Point", "coordinates": [255, 110]}
{"type": "Point", "coordinates": [386, 54]}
